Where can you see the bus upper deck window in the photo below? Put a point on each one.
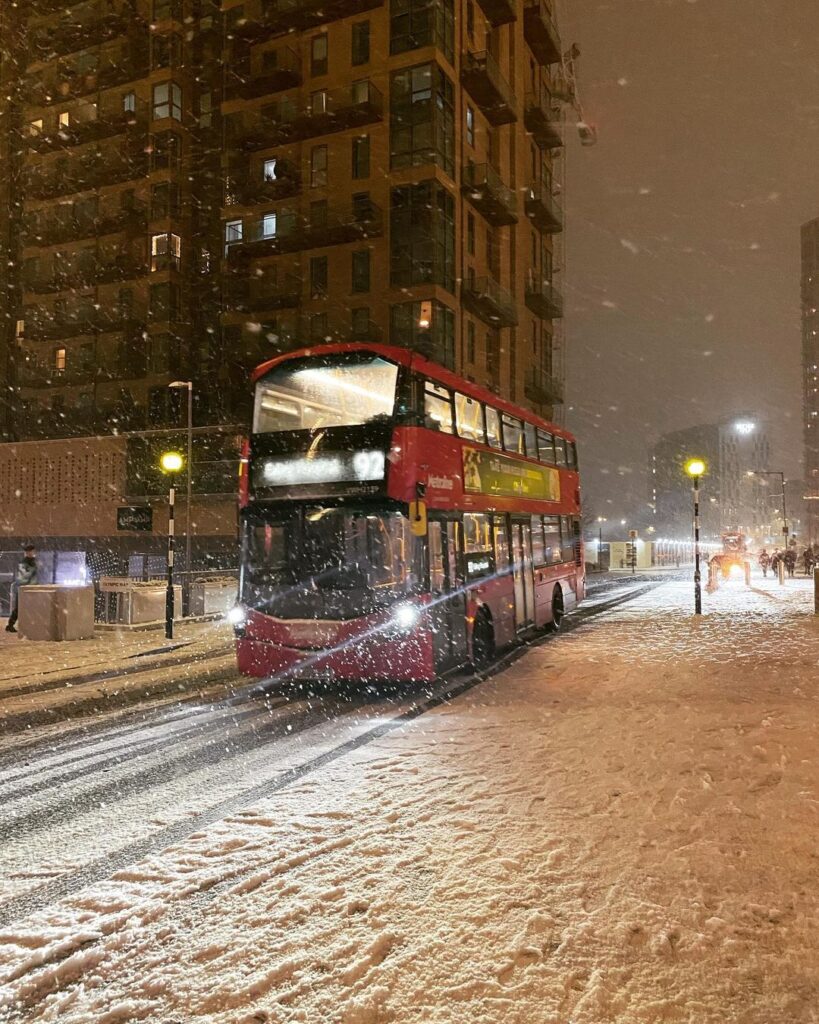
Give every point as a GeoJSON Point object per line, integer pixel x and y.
{"type": "Point", "coordinates": [560, 452]}
{"type": "Point", "coordinates": [493, 431]}
{"type": "Point", "coordinates": [571, 449]}
{"type": "Point", "coordinates": [531, 440]}
{"type": "Point", "coordinates": [438, 408]}
{"type": "Point", "coordinates": [546, 447]}
{"type": "Point", "coordinates": [512, 434]}
{"type": "Point", "coordinates": [469, 418]}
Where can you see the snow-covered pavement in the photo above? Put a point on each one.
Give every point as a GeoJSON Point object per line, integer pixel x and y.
{"type": "Point", "coordinates": [619, 827]}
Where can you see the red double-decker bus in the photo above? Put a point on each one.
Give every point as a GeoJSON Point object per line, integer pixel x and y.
{"type": "Point", "coordinates": [396, 520]}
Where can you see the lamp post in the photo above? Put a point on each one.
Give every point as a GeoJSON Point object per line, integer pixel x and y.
{"type": "Point", "coordinates": [695, 469]}
{"type": "Point", "coordinates": [188, 474]}
{"type": "Point", "coordinates": [600, 521]}
{"type": "Point", "coordinates": [170, 464]}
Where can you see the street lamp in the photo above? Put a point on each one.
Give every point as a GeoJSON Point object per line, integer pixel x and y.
{"type": "Point", "coordinates": [600, 521]}
{"type": "Point", "coordinates": [695, 469]}
{"type": "Point", "coordinates": [189, 385]}
{"type": "Point", "coordinates": [170, 463]}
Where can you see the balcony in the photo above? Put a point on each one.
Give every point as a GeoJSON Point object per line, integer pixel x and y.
{"type": "Point", "coordinates": [486, 299]}
{"type": "Point", "coordinates": [118, 69]}
{"type": "Point", "coordinates": [498, 12]}
{"type": "Point", "coordinates": [542, 119]}
{"type": "Point", "coordinates": [325, 113]}
{"type": "Point", "coordinates": [542, 209]}
{"type": "Point", "coordinates": [91, 272]}
{"type": "Point", "coordinates": [245, 295]}
{"type": "Point", "coordinates": [92, 322]}
{"type": "Point", "coordinates": [287, 74]}
{"type": "Point", "coordinates": [84, 174]}
{"type": "Point", "coordinates": [481, 77]}
{"type": "Point", "coordinates": [540, 32]}
{"type": "Point", "coordinates": [542, 389]}
{"type": "Point", "coordinates": [68, 36]}
{"type": "Point", "coordinates": [51, 227]}
{"type": "Point", "coordinates": [249, 191]}
{"type": "Point", "coordinates": [482, 186]}
{"type": "Point", "coordinates": [92, 129]}
{"type": "Point", "coordinates": [543, 299]}
{"type": "Point", "coordinates": [291, 232]}
{"type": "Point", "coordinates": [298, 15]}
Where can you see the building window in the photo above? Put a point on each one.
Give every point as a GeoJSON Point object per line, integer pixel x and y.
{"type": "Point", "coordinates": [470, 19]}
{"type": "Point", "coordinates": [318, 277]}
{"type": "Point", "coordinates": [164, 200]}
{"type": "Point", "coordinates": [167, 101]}
{"type": "Point", "coordinates": [361, 43]}
{"type": "Point", "coordinates": [234, 230]}
{"type": "Point", "coordinates": [470, 234]}
{"type": "Point", "coordinates": [318, 326]}
{"type": "Point", "coordinates": [167, 9]}
{"type": "Point", "coordinates": [360, 323]}
{"type": "Point", "coordinates": [428, 326]}
{"type": "Point", "coordinates": [422, 125]}
{"type": "Point", "coordinates": [163, 301]}
{"type": "Point", "coordinates": [318, 103]}
{"type": "Point", "coordinates": [318, 55]}
{"type": "Point", "coordinates": [166, 151]}
{"type": "Point", "coordinates": [63, 119]}
{"type": "Point", "coordinates": [361, 271]}
{"type": "Point", "coordinates": [129, 102]}
{"type": "Point", "coordinates": [269, 221]}
{"type": "Point", "coordinates": [361, 157]}
{"type": "Point", "coordinates": [269, 169]}
{"type": "Point", "coordinates": [422, 236]}
{"type": "Point", "coordinates": [318, 166]}
{"type": "Point", "coordinates": [470, 125]}
{"type": "Point", "coordinates": [59, 360]}
{"type": "Point", "coordinates": [470, 342]}
{"type": "Point", "coordinates": [35, 128]}
{"type": "Point", "coordinates": [166, 251]}
{"type": "Point", "coordinates": [206, 110]}
{"type": "Point", "coordinates": [417, 23]}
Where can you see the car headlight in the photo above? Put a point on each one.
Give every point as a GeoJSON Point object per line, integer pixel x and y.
{"type": "Point", "coordinates": [405, 617]}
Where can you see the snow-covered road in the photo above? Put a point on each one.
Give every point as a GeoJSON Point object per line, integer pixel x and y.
{"type": "Point", "coordinates": [619, 827]}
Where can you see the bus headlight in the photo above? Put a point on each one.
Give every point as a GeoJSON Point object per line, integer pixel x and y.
{"type": "Point", "coordinates": [405, 617]}
{"type": "Point", "coordinates": [237, 617]}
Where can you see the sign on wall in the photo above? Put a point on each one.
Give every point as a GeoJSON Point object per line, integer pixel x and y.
{"type": "Point", "coordinates": [135, 517]}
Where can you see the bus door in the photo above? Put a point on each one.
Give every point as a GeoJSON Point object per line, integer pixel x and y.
{"type": "Point", "coordinates": [523, 574]}
{"type": "Point", "coordinates": [448, 613]}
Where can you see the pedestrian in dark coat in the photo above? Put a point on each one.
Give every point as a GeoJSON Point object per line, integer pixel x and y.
{"type": "Point", "coordinates": [26, 575]}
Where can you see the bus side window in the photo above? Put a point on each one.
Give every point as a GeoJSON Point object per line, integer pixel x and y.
{"type": "Point", "coordinates": [551, 530]}
{"type": "Point", "coordinates": [546, 447]}
{"type": "Point", "coordinates": [436, 559]}
{"type": "Point", "coordinates": [571, 448]}
{"type": "Point", "coordinates": [469, 418]}
{"type": "Point", "coordinates": [438, 408]}
{"type": "Point", "coordinates": [567, 539]}
{"type": "Point", "coordinates": [512, 434]}
{"type": "Point", "coordinates": [538, 546]}
{"type": "Point", "coordinates": [560, 452]}
{"type": "Point", "coordinates": [493, 432]}
{"type": "Point", "coordinates": [477, 544]}
{"type": "Point", "coordinates": [501, 545]}
{"type": "Point", "coordinates": [531, 440]}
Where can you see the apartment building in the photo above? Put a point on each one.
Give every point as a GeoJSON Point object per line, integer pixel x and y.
{"type": "Point", "coordinates": [197, 187]}
{"type": "Point", "coordinates": [810, 373]}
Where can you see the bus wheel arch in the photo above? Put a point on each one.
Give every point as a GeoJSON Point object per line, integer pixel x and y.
{"type": "Point", "coordinates": [483, 637]}
{"type": "Point", "coordinates": [558, 609]}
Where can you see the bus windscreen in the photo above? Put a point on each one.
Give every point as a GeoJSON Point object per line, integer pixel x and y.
{"type": "Point", "coordinates": [314, 394]}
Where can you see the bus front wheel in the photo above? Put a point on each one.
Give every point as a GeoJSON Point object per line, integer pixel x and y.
{"type": "Point", "coordinates": [558, 610]}
{"type": "Point", "coordinates": [483, 640]}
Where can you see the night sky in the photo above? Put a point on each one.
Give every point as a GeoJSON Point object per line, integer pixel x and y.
{"type": "Point", "coordinates": [682, 270]}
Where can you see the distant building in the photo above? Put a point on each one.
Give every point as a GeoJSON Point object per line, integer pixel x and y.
{"type": "Point", "coordinates": [810, 371]}
{"type": "Point", "coordinates": [730, 497]}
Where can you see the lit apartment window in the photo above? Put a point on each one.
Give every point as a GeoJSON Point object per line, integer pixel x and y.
{"type": "Point", "coordinates": [168, 101]}
{"type": "Point", "coordinates": [269, 225]}
{"type": "Point", "coordinates": [19, 328]}
{"type": "Point", "coordinates": [318, 102]}
{"type": "Point", "coordinates": [270, 169]}
{"type": "Point", "coordinates": [129, 102]}
{"type": "Point", "coordinates": [233, 233]}
{"type": "Point", "coordinates": [35, 127]}
{"type": "Point", "coordinates": [166, 251]}
{"type": "Point", "coordinates": [470, 126]}
{"type": "Point", "coordinates": [59, 360]}
{"type": "Point", "coordinates": [64, 119]}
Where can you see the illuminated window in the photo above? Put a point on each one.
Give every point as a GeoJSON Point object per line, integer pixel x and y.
{"type": "Point", "coordinates": [129, 102]}
{"type": "Point", "coordinates": [64, 119]}
{"type": "Point", "coordinates": [469, 418]}
{"type": "Point", "coordinates": [167, 101]}
{"type": "Point", "coordinates": [233, 233]}
{"type": "Point", "coordinates": [166, 251]}
{"type": "Point", "coordinates": [438, 408]}
{"type": "Point", "coordinates": [59, 360]}
{"type": "Point", "coordinates": [269, 225]}
{"type": "Point", "coordinates": [269, 169]}
{"type": "Point", "coordinates": [19, 328]}
{"type": "Point", "coordinates": [470, 126]}
{"type": "Point", "coordinates": [35, 127]}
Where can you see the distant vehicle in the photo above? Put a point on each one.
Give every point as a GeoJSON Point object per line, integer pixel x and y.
{"type": "Point", "coordinates": [397, 520]}
{"type": "Point", "coordinates": [734, 553]}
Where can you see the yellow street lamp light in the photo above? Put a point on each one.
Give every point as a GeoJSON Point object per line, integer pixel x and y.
{"type": "Point", "coordinates": [171, 462]}
{"type": "Point", "coordinates": [695, 467]}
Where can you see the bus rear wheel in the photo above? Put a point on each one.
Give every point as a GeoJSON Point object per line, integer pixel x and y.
{"type": "Point", "coordinates": [558, 610]}
{"type": "Point", "coordinates": [483, 641]}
